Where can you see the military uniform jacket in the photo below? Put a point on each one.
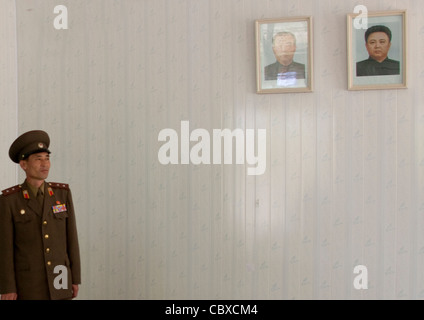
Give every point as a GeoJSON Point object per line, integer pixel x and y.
{"type": "Point", "coordinates": [35, 241]}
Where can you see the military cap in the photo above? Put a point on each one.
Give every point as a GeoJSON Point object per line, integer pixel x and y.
{"type": "Point", "coordinates": [29, 143]}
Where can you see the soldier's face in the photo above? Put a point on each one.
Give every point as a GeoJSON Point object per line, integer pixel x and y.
{"type": "Point", "coordinates": [378, 46]}
{"type": "Point", "coordinates": [37, 166]}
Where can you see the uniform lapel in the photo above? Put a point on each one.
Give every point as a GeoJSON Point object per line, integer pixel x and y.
{"type": "Point", "coordinates": [49, 198]}
{"type": "Point", "coordinates": [32, 202]}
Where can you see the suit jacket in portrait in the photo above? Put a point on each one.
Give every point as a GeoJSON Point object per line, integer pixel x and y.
{"type": "Point", "coordinates": [272, 70]}
{"type": "Point", "coordinates": [33, 241]}
{"type": "Point", "coordinates": [371, 67]}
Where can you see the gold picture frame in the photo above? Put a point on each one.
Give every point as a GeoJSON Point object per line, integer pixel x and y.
{"type": "Point", "coordinates": [374, 63]}
{"type": "Point", "coordinates": [284, 55]}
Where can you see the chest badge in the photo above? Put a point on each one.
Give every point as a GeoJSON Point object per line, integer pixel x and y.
{"type": "Point", "coordinates": [59, 208]}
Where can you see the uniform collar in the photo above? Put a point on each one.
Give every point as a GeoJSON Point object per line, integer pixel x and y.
{"type": "Point", "coordinates": [33, 189]}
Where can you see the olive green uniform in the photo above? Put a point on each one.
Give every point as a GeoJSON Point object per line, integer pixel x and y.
{"type": "Point", "coordinates": [39, 251]}
{"type": "Point", "coordinates": [34, 239]}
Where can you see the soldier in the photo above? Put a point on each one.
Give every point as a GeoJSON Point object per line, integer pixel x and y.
{"type": "Point", "coordinates": [39, 252]}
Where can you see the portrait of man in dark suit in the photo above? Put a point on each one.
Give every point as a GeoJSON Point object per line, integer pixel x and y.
{"type": "Point", "coordinates": [378, 40]}
{"type": "Point", "coordinates": [284, 48]}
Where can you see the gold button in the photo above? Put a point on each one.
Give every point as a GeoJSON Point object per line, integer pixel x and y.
{"type": "Point", "coordinates": [49, 263]}
{"type": "Point", "coordinates": [22, 211]}
{"type": "Point", "coordinates": [48, 250]}
{"type": "Point", "coordinates": [46, 236]}
{"type": "Point", "coordinates": [45, 222]}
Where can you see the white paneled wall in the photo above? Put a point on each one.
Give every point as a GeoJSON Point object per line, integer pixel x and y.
{"type": "Point", "coordinates": [8, 91]}
{"type": "Point", "coordinates": [345, 170]}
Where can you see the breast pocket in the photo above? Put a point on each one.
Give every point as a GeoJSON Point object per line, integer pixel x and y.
{"type": "Point", "coordinates": [26, 224]}
{"type": "Point", "coordinates": [23, 216]}
{"type": "Point", "coordinates": [61, 215]}
{"type": "Point", "coordinates": [60, 212]}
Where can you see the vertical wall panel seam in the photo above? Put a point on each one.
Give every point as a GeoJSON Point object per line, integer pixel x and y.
{"type": "Point", "coordinates": [396, 196]}
{"type": "Point", "coordinates": [414, 174]}
{"type": "Point", "coordinates": [17, 81]}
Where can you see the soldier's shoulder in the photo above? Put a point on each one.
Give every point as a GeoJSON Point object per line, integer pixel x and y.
{"type": "Point", "coordinates": [59, 185]}
{"type": "Point", "coordinates": [11, 190]}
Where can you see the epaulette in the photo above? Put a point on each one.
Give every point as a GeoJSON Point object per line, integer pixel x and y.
{"type": "Point", "coordinates": [11, 190]}
{"type": "Point", "coordinates": [58, 185]}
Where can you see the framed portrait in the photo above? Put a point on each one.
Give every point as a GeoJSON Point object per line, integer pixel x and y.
{"type": "Point", "coordinates": [284, 55]}
{"type": "Point", "coordinates": [377, 51]}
